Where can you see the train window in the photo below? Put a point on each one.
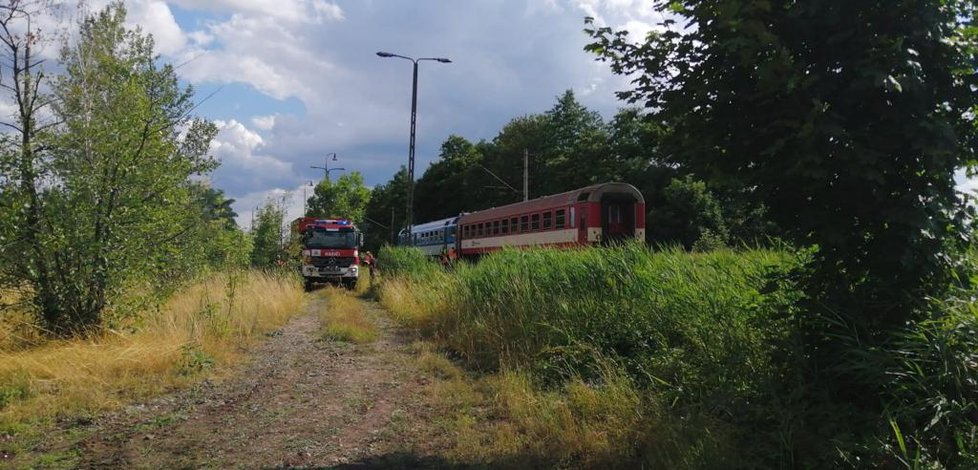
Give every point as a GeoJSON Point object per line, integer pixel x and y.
{"type": "Point", "coordinates": [504, 227]}
{"type": "Point", "coordinates": [535, 222]}
{"type": "Point", "coordinates": [547, 219]}
{"type": "Point", "coordinates": [559, 222]}
{"type": "Point", "coordinates": [614, 214]}
{"type": "Point", "coordinates": [512, 224]}
{"type": "Point", "coordinates": [478, 230]}
{"type": "Point", "coordinates": [525, 223]}
{"type": "Point", "coordinates": [571, 219]}
{"type": "Point", "coordinates": [495, 227]}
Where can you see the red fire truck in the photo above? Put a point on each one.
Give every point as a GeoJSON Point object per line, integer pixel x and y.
{"type": "Point", "coordinates": [330, 250]}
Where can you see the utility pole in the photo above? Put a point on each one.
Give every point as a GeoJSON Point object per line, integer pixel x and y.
{"type": "Point", "coordinates": [414, 118]}
{"type": "Point", "coordinates": [526, 175]}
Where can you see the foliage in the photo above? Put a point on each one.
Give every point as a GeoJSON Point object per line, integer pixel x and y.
{"type": "Point", "coordinates": [107, 198]}
{"type": "Point", "coordinates": [445, 189]}
{"type": "Point", "coordinates": [384, 213]}
{"type": "Point", "coordinates": [687, 214]}
{"type": "Point", "coordinates": [566, 147]}
{"type": "Point", "coordinates": [846, 120]}
{"type": "Point", "coordinates": [347, 198]}
{"type": "Point", "coordinates": [268, 240]}
{"type": "Point", "coordinates": [407, 262]}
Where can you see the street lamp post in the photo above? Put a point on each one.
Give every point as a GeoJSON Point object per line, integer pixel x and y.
{"type": "Point", "coordinates": [326, 169]}
{"type": "Point", "coordinates": [414, 113]}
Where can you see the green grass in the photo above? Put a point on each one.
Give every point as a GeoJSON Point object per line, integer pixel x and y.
{"type": "Point", "coordinates": [699, 335]}
{"type": "Point", "coordinates": [713, 345]}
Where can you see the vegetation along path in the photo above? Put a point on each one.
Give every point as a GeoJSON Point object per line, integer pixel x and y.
{"type": "Point", "coordinates": [305, 400]}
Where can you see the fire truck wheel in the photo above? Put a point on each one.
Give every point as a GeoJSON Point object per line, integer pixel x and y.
{"type": "Point", "coordinates": [307, 285]}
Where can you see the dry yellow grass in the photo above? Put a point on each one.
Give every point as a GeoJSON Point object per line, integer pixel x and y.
{"type": "Point", "coordinates": [504, 416]}
{"type": "Point", "coordinates": [17, 327]}
{"type": "Point", "coordinates": [345, 318]}
{"type": "Point", "coordinates": [201, 327]}
{"type": "Point", "coordinates": [415, 307]}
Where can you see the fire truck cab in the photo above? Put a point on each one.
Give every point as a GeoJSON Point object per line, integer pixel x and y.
{"type": "Point", "coordinates": [330, 251]}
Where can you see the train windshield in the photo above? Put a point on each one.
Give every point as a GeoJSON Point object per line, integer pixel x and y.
{"type": "Point", "coordinates": [321, 238]}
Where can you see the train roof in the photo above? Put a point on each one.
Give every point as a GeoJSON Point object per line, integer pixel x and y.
{"type": "Point", "coordinates": [434, 225]}
{"type": "Point", "coordinates": [589, 193]}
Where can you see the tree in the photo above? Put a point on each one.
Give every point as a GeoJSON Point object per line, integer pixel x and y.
{"type": "Point", "coordinates": [444, 190]}
{"type": "Point", "coordinates": [576, 147]}
{"type": "Point", "coordinates": [503, 157]}
{"type": "Point", "coordinates": [384, 214]}
{"type": "Point", "coordinates": [347, 198]}
{"type": "Point", "coordinates": [115, 201]}
{"type": "Point", "coordinates": [687, 214]}
{"type": "Point", "coordinates": [22, 160]}
{"type": "Point", "coordinates": [268, 241]}
{"type": "Point", "coordinates": [847, 120]}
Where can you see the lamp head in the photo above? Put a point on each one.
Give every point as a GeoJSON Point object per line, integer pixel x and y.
{"type": "Point", "coordinates": [385, 54]}
{"type": "Point", "coordinates": [443, 60]}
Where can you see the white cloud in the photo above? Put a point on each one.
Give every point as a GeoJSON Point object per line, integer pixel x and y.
{"type": "Point", "coordinates": [292, 199]}
{"type": "Point", "coordinates": [244, 164]}
{"type": "Point", "coordinates": [305, 11]}
{"type": "Point", "coordinates": [155, 18]}
{"type": "Point", "coordinates": [268, 55]}
{"type": "Point", "coordinates": [264, 122]}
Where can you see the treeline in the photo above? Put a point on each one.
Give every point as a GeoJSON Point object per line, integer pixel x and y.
{"type": "Point", "coordinates": [567, 147]}
{"type": "Point", "coordinates": [104, 203]}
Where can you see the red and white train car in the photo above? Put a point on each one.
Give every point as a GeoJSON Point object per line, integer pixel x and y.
{"type": "Point", "coordinates": [591, 215]}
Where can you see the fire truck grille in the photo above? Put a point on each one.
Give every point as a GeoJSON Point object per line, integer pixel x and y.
{"type": "Point", "coordinates": [323, 261]}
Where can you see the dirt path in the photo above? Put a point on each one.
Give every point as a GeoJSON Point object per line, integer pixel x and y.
{"type": "Point", "coordinates": [304, 401]}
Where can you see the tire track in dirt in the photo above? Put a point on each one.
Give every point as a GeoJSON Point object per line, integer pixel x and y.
{"type": "Point", "coordinates": [302, 401]}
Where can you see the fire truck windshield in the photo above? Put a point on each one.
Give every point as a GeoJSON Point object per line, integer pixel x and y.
{"type": "Point", "coordinates": [321, 238]}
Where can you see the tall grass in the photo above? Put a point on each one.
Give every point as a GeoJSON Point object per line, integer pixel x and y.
{"type": "Point", "coordinates": [712, 343]}
{"type": "Point", "coordinates": [201, 327]}
{"type": "Point", "coordinates": [701, 335]}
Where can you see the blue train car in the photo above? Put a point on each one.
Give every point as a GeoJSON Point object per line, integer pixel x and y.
{"type": "Point", "coordinates": [433, 238]}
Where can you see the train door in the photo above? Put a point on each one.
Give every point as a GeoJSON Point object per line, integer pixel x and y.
{"type": "Point", "coordinates": [581, 223]}
{"type": "Point", "coordinates": [617, 217]}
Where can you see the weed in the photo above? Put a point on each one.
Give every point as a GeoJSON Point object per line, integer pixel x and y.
{"type": "Point", "coordinates": [193, 360]}
{"type": "Point", "coordinates": [14, 387]}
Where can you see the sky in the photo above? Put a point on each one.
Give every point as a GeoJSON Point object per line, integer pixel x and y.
{"type": "Point", "coordinates": [292, 82]}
